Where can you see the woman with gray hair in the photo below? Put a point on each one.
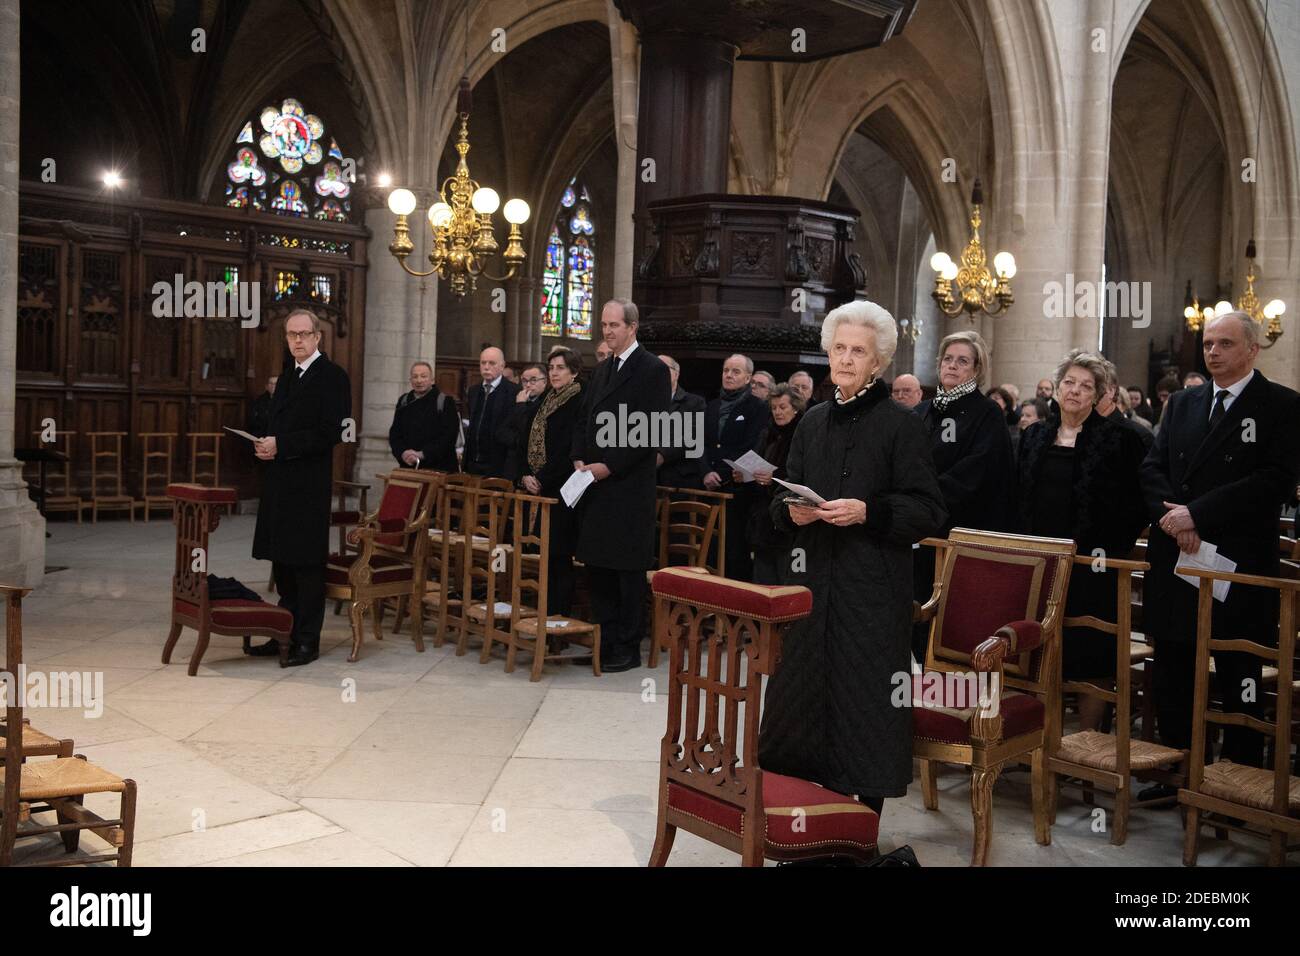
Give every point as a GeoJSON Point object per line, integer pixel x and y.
{"type": "Point", "coordinates": [971, 447]}
{"type": "Point", "coordinates": [1079, 479]}
{"type": "Point", "coordinates": [827, 716]}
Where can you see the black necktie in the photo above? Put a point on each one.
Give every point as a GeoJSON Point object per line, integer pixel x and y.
{"type": "Point", "coordinates": [618, 364]}
{"type": "Point", "coordinates": [1219, 410]}
{"type": "Point", "coordinates": [299, 370]}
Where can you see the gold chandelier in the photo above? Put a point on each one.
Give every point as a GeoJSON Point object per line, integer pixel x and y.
{"type": "Point", "coordinates": [978, 290]}
{"type": "Point", "coordinates": [463, 233]}
{"type": "Point", "coordinates": [1267, 316]}
{"type": "Point", "coordinates": [1196, 315]}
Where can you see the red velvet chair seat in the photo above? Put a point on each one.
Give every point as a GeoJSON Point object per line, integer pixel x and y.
{"type": "Point", "coordinates": [386, 570]}
{"type": "Point", "coordinates": [238, 614]}
{"type": "Point", "coordinates": [1021, 713]}
{"type": "Point", "coordinates": [828, 818]}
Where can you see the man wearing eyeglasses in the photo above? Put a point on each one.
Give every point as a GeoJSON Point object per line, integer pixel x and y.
{"type": "Point", "coordinates": [425, 425]}
{"type": "Point", "coordinates": [511, 431]}
{"type": "Point", "coordinates": [311, 401]}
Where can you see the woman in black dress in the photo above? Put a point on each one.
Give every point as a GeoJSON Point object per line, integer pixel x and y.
{"type": "Point", "coordinates": [772, 545]}
{"type": "Point", "coordinates": [543, 451]}
{"type": "Point", "coordinates": [1079, 480]}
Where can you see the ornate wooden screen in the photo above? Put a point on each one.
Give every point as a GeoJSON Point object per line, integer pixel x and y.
{"type": "Point", "coordinates": [94, 353]}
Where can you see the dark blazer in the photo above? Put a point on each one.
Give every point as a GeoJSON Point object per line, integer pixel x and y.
{"type": "Point", "coordinates": [484, 420]}
{"type": "Point", "coordinates": [1234, 481]}
{"type": "Point", "coordinates": [976, 471]}
{"type": "Point", "coordinates": [1145, 435]}
{"type": "Point", "coordinates": [513, 434]}
{"type": "Point", "coordinates": [293, 517]}
{"type": "Point", "coordinates": [259, 415]}
{"type": "Point", "coordinates": [560, 425]}
{"type": "Point", "coordinates": [617, 515]}
{"type": "Point", "coordinates": [678, 471]}
{"type": "Point", "coordinates": [418, 424]}
{"type": "Point", "coordinates": [744, 429]}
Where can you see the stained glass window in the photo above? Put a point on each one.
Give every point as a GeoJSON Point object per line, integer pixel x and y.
{"type": "Point", "coordinates": [569, 276]}
{"type": "Point", "coordinates": [281, 163]}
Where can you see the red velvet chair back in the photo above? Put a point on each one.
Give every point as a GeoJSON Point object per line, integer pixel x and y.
{"type": "Point", "coordinates": [196, 516]}
{"type": "Point", "coordinates": [406, 495]}
{"type": "Point", "coordinates": [989, 580]}
{"type": "Point", "coordinates": [723, 637]}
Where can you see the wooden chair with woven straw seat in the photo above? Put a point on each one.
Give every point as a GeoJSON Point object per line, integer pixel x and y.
{"type": "Point", "coordinates": [486, 561]}
{"type": "Point", "coordinates": [532, 628]}
{"type": "Point", "coordinates": [107, 491]}
{"type": "Point", "coordinates": [991, 686]}
{"type": "Point", "coordinates": [196, 518]}
{"type": "Point", "coordinates": [724, 637]}
{"type": "Point", "coordinates": [1110, 760]}
{"type": "Point", "coordinates": [716, 559]}
{"type": "Point", "coordinates": [453, 511]}
{"type": "Point", "coordinates": [1266, 801]}
{"type": "Point", "coordinates": [56, 785]}
{"type": "Point", "coordinates": [389, 561]}
{"type": "Point", "coordinates": [157, 455]}
{"type": "Point", "coordinates": [688, 529]}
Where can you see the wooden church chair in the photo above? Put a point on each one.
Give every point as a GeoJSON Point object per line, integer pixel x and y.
{"type": "Point", "coordinates": [157, 453]}
{"type": "Point", "coordinates": [453, 518]}
{"type": "Point", "coordinates": [106, 486]}
{"type": "Point", "coordinates": [196, 518]}
{"type": "Point", "coordinates": [485, 559]}
{"type": "Point", "coordinates": [724, 637]}
{"type": "Point", "coordinates": [389, 560]}
{"type": "Point", "coordinates": [995, 618]}
{"type": "Point", "coordinates": [1227, 796]}
{"type": "Point", "coordinates": [717, 560]}
{"type": "Point", "coordinates": [687, 532]}
{"type": "Point", "coordinates": [532, 628]}
{"type": "Point", "coordinates": [57, 785]}
{"type": "Point", "coordinates": [1109, 760]}
{"type": "Point", "coordinates": [344, 519]}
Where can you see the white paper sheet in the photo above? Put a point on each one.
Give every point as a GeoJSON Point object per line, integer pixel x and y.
{"type": "Point", "coordinates": [748, 463]}
{"type": "Point", "coordinates": [1206, 558]}
{"type": "Point", "coordinates": [575, 486]}
{"type": "Point", "coordinates": [802, 491]}
{"type": "Point", "coordinates": [555, 624]}
{"type": "Point", "coordinates": [236, 431]}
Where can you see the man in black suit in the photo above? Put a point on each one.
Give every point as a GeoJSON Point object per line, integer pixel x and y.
{"type": "Point", "coordinates": [259, 416]}
{"type": "Point", "coordinates": [489, 404]}
{"type": "Point", "coordinates": [733, 424]}
{"type": "Point", "coordinates": [425, 425]}
{"type": "Point", "coordinates": [1224, 461]}
{"type": "Point", "coordinates": [512, 431]}
{"type": "Point", "coordinates": [616, 539]}
{"type": "Point", "coordinates": [312, 399]}
{"type": "Point", "coordinates": [675, 469]}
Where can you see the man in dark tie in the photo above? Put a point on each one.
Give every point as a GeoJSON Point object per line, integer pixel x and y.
{"type": "Point", "coordinates": [311, 401]}
{"type": "Point", "coordinates": [675, 469]}
{"type": "Point", "coordinates": [616, 539]}
{"type": "Point", "coordinates": [1223, 463]}
{"type": "Point", "coordinates": [489, 403]}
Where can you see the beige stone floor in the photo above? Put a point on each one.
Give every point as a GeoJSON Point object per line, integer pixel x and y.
{"type": "Point", "coordinates": [438, 761]}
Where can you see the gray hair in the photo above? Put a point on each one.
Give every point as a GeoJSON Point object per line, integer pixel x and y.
{"type": "Point", "coordinates": [783, 390]}
{"type": "Point", "coordinates": [631, 315]}
{"type": "Point", "coordinates": [415, 365]}
{"type": "Point", "coordinates": [770, 377]}
{"type": "Point", "coordinates": [671, 363]}
{"type": "Point", "coordinates": [804, 374]}
{"type": "Point", "coordinates": [1084, 359]}
{"type": "Point", "coordinates": [975, 341]}
{"type": "Point", "coordinates": [315, 319]}
{"type": "Point", "coordinates": [1249, 330]}
{"type": "Point", "coordinates": [749, 362]}
{"type": "Point", "coordinates": [868, 314]}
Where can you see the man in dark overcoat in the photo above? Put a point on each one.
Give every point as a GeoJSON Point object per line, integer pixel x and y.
{"type": "Point", "coordinates": [312, 399]}
{"type": "Point", "coordinates": [616, 539]}
{"type": "Point", "coordinates": [425, 425]}
{"type": "Point", "coordinates": [490, 403]}
{"type": "Point", "coordinates": [1224, 462]}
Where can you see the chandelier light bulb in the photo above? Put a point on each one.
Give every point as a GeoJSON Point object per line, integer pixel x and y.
{"type": "Point", "coordinates": [485, 201]}
{"type": "Point", "coordinates": [1005, 264]}
{"type": "Point", "coordinates": [1222, 307]}
{"type": "Point", "coordinates": [1189, 313]}
{"type": "Point", "coordinates": [440, 215]}
{"type": "Point", "coordinates": [384, 180]}
{"type": "Point", "coordinates": [1275, 308]}
{"type": "Point", "coordinates": [940, 261]}
{"type": "Point", "coordinates": [111, 179]}
{"type": "Point", "coordinates": [516, 212]}
{"type": "Point", "coordinates": [949, 271]}
{"type": "Point", "coordinates": [401, 202]}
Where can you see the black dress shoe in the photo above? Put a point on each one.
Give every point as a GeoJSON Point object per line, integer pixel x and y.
{"type": "Point", "coordinates": [301, 655]}
{"type": "Point", "coordinates": [269, 649]}
{"type": "Point", "coordinates": [617, 665]}
{"type": "Point", "coordinates": [1161, 791]}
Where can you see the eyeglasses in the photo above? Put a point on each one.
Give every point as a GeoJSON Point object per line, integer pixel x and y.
{"type": "Point", "coordinates": [299, 336]}
{"type": "Point", "coordinates": [532, 380]}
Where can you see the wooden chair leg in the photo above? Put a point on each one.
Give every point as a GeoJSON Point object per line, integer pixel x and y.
{"type": "Point", "coordinates": [200, 648]}
{"type": "Point", "coordinates": [1191, 836]}
{"type": "Point", "coordinates": [981, 804]}
{"type": "Point", "coordinates": [653, 662]}
{"type": "Point", "coordinates": [358, 615]}
{"type": "Point", "coordinates": [929, 785]}
{"type": "Point", "coordinates": [1041, 800]}
{"type": "Point", "coordinates": [1277, 848]}
{"type": "Point", "coordinates": [400, 614]}
{"type": "Point", "coordinates": [170, 646]}
{"type": "Point", "coordinates": [663, 844]}
{"type": "Point", "coordinates": [71, 838]}
{"type": "Point", "coordinates": [489, 637]}
{"type": "Point", "coordinates": [1119, 831]}
{"type": "Point", "coordinates": [539, 658]}
{"type": "Point", "coordinates": [417, 622]}
{"type": "Point", "coordinates": [128, 824]}
{"type": "Point", "coordinates": [595, 666]}
{"type": "Point", "coordinates": [377, 618]}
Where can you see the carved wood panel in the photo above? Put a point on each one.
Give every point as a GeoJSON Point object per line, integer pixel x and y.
{"type": "Point", "coordinates": [753, 254]}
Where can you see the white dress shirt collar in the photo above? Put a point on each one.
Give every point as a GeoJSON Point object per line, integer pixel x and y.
{"type": "Point", "coordinates": [622, 356]}
{"type": "Point", "coordinates": [306, 363]}
{"type": "Point", "coordinates": [495, 382]}
{"type": "Point", "coordinates": [1236, 388]}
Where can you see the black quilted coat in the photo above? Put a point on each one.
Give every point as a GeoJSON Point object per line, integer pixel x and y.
{"type": "Point", "coordinates": [828, 715]}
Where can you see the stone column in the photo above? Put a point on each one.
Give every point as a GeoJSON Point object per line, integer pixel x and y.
{"type": "Point", "coordinates": [22, 529]}
{"type": "Point", "coordinates": [626, 65]}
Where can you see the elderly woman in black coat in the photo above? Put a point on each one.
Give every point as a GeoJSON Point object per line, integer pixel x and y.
{"type": "Point", "coordinates": [971, 446]}
{"type": "Point", "coordinates": [543, 453]}
{"type": "Point", "coordinates": [827, 715]}
{"type": "Point", "coordinates": [1079, 479]}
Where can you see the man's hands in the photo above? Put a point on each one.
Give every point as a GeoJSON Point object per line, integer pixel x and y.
{"type": "Point", "coordinates": [841, 512]}
{"type": "Point", "coordinates": [713, 481]}
{"type": "Point", "coordinates": [532, 485]}
{"type": "Point", "coordinates": [802, 516]}
{"type": "Point", "coordinates": [264, 448]}
{"type": "Point", "coordinates": [763, 478]}
{"type": "Point", "coordinates": [599, 470]}
{"type": "Point", "coordinates": [411, 457]}
{"type": "Point", "coordinates": [1188, 541]}
{"type": "Point", "coordinates": [1178, 524]}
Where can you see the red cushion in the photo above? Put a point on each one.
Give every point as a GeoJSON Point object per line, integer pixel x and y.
{"type": "Point", "coordinates": [236, 614]}
{"type": "Point", "coordinates": [188, 492]}
{"type": "Point", "coordinates": [983, 593]}
{"type": "Point", "coordinates": [386, 570]}
{"type": "Point", "coordinates": [827, 817]}
{"type": "Point", "coordinates": [1021, 713]}
{"type": "Point", "coordinates": [757, 601]}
